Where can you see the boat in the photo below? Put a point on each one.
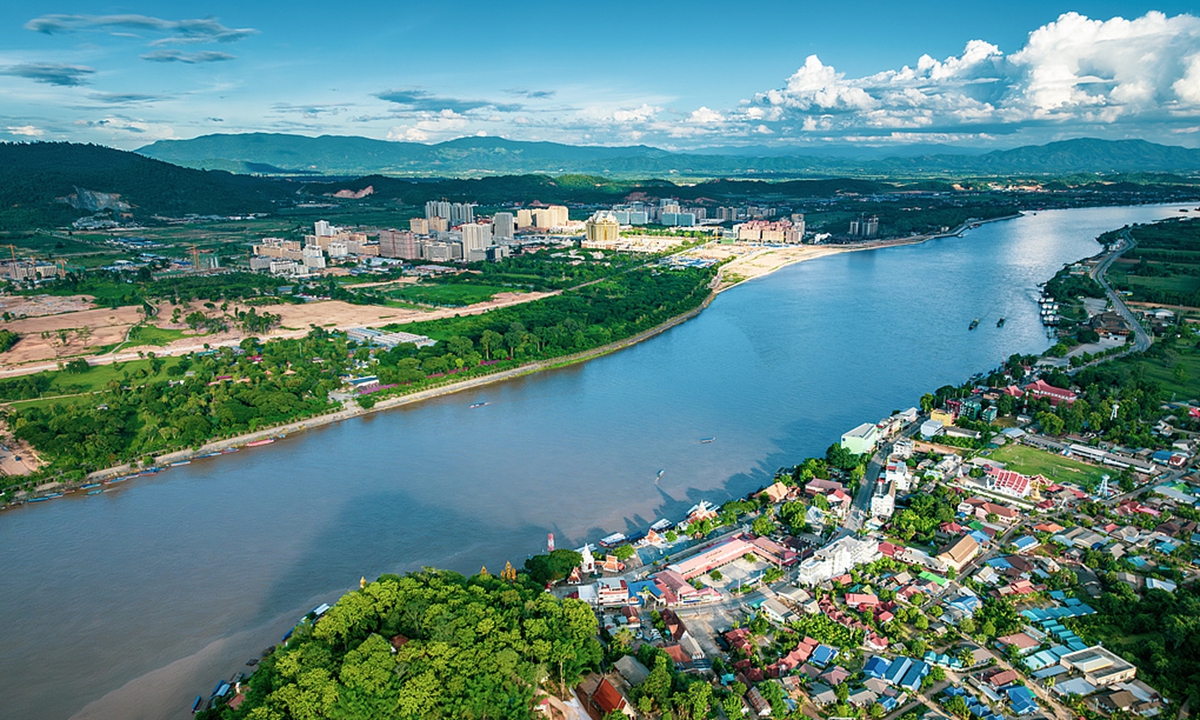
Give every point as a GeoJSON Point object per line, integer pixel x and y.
{"type": "Point", "coordinates": [114, 481]}
{"type": "Point", "coordinates": [974, 324]}
{"type": "Point", "coordinates": [208, 455]}
{"type": "Point", "coordinates": [89, 486]}
{"type": "Point", "coordinates": [660, 474]}
{"type": "Point", "coordinates": [39, 499]}
{"type": "Point", "coordinates": [260, 443]}
{"type": "Point", "coordinates": [196, 705]}
{"type": "Point", "coordinates": [611, 540]}
{"type": "Point", "coordinates": [226, 451]}
{"type": "Point", "coordinates": [95, 492]}
{"type": "Point", "coordinates": [181, 463]}
{"type": "Point", "coordinates": [1000, 322]}
{"type": "Point", "coordinates": [661, 525]}
{"type": "Point", "coordinates": [477, 405]}
{"type": "Point", "coordinates": [705, 441]}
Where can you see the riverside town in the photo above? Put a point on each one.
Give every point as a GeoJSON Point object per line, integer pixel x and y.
{"type": "Point", "coordinates": [849, 376]}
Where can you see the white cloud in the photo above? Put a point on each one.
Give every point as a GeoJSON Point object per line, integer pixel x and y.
{"type": "Point", "coordinates": [1080, 74]}
{"type": "Point", "coordinates": [704, 116]}
{"type": "Point", "coordinates": [25, 131]}
{"type": "Point", "coordinates": [642, 113]}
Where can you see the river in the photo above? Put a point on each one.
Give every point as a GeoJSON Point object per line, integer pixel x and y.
{"type": "Point", "coordinates": [128, 604]}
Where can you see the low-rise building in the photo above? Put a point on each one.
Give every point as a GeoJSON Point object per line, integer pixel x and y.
{"type": "Point", "coordinates": [1099, 666]}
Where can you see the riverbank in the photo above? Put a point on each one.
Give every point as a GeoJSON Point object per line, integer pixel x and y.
{"type": "Point", "coordinates": [265, 436]}
{"type": "Point", "coordinates": [763, 262]}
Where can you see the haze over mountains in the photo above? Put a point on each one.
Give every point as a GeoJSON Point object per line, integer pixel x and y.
{"type": "Point", "coordinates": [284, 154]}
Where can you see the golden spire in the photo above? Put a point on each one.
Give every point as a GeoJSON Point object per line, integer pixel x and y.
{"type": "Point", "coordinates": [362, 582]}
{"type": "Point", "coordinates": [509, 573]}
{"type": "Point", "coordinates": [483, 572]}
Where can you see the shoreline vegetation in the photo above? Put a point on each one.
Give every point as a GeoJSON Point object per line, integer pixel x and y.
{"type": "Point", "coordinates": [743, 269]}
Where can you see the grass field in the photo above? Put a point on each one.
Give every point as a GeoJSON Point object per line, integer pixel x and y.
{"type": "Point", "coordinates": [453, 295]}
{"type": "Point", "coordinates": [1177, 371]}
{"type": "Point", "coordinates": [153, 335]}
{"type": "Point", "coordinates": [1029, 461]}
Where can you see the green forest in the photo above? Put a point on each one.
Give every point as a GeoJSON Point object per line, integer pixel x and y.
{"type": "Point", "coordinates": [1159, 632]}
{"type": "Point", "coordinates": [432, 644]}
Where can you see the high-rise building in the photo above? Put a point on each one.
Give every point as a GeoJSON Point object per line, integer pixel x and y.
{"type": "Point", "coordinates": [503, 226]}
{"type": "Point", "coordinates": [864, 226]}
{"type": "Point", "coordinates": [461, 213]}
{"type": "Point", "coordinates": [524, 219]}
{"type": "Point", "coordinates": [602, 227]}
{"type": "Point", "coordinates": [555, 216]}
{"type": "Point", "coordinates": [437, 208]}
{"type": "Point", "coordinates": [398, 244]}
{"type": "Point", "coordinates": [322, 228]}
{"type": "Point", "coordinates": [419, 226]}
{"type": "Point", "coordinates": [475, 236]}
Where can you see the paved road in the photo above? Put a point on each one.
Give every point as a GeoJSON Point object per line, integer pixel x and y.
{"type": "Point", "coordinates": [1141, 339]}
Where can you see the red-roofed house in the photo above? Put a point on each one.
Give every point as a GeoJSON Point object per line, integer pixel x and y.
{"type": "Point", "coordinates": [1007, 482]}
{"type": "Point", "coordinates": [858, 601]}
{"type": "Point", "coordinates": [603, 697]}
{"type": "Point", "coordinates": [1043, 389]}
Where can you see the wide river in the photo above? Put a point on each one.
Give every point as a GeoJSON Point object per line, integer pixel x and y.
{"type": "Point", "coordinates": [128, 604]}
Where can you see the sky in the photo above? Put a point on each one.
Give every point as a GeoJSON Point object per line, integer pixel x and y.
{"type": "Point", "coordinates": [676, 75]}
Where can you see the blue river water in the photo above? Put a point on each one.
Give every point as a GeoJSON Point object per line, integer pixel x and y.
{"type": "Point", "coordinates": [128, 604]}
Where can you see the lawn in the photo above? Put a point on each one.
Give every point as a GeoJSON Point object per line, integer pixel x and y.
{"type": "Point", "coordinates": [153, 335]}
{"type": "Point", "coordinates": [1056, 468]}
{"type": "Point", "coordinates": [449, 295]}
{"type": "Point", "coordinates": [1178, 372]}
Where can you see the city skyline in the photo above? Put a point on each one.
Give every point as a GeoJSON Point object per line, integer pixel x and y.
{"type": "Point", "coordinates": [678, 79]}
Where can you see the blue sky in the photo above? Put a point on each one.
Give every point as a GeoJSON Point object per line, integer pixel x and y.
{"type": "Point", "coordinates": [671, 74]}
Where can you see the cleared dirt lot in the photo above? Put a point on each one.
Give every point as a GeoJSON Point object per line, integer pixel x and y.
{"type": "Point", "coordinates": [105, 327]}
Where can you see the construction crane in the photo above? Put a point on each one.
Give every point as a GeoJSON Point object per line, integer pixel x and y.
{"type": "Point", "coordinates": [195, 258]}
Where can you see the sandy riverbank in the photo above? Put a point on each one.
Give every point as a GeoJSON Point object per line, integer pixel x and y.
{"type": "Point", "coordinates": [751, 261]}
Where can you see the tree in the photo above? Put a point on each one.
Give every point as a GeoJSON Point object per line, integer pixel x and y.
{"type": "Point", "coordinates": [544, 569]}
{"type": "Point", "coordinates": [763, 525]}
{"type": "Point", "coordinates": [623, 552]}
{"type": "Point", "coordinates": [658, 682]}
{"type": "Point", "coordinates": [927, 402]}
{"type": "Point", "coordinates": [967, 626]}
{"type": "Point", "coordinates": [840, 458]}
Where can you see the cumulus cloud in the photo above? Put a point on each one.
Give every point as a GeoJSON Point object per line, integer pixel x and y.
{"type": "Point", "coordinates": [167, 56]}
{"type": "Point", "coordinates": [177, 31]}
{"type": "Point", "coordinates": [25, 131]}
{"type": "Point", "coordinates": [444, 125]}
{"type": "Point", "coordinates": [704, 116]}
{"type": "Point", "coordinates": [642, 113]}
{"type": "Point", "coordinates": [1075, 73]}
{"type": "Point", "coordinates": [51, 73]}
{"type": "Point", "coordinates": [416, 100]}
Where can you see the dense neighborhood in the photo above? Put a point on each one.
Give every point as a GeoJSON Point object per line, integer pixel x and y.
{"type": "Point", "coordinates": [962, 559]}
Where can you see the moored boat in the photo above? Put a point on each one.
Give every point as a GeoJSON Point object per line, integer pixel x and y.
{"type": "Point", "coordinates": [259, 443]}
{"type": "Point", "coordinates": [705, 441]}
{"type": "Point", "coordinates": [974, 324]}
{"type": "Point", "coordinates": [611, 540]}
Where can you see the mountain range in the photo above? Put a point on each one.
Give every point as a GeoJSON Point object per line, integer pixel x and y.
{"type": "Point", "coordinates": [332, 155]}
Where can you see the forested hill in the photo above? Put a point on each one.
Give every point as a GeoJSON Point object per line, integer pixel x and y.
{"type": "Point", "coordinates": [474, 157]}
{"type": "Point", "coordinates": [40, 181]}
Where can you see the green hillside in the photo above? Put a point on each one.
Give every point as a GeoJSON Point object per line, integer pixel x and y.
{"type": "Point", "coordinates": [36, 179]}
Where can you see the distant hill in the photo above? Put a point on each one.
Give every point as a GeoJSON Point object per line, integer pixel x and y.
{"type": "Point", "coordinates": [54, 183]}
{"type": "Point", "coordinates": [476, 157]}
